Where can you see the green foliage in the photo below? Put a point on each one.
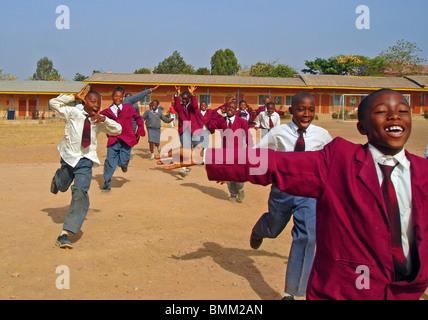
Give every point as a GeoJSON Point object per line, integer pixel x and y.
{"type": "Point", "coordinates": [403, 58]}
{"type": "Point", "coordinates": [79, 77]}
{"type": "Point", "coordinates": [143, 71]}
{"type": "Point", "coordinates": [426, 114]}
{"type": "Point", "coordinates": [224, 62]}
{"type": "Point", "coordinates": [203, 71]}
{"type": "Point", "coordinates": [270, 69]}
{"type": "Point", "coordinates": [174, 64]}
{"type": "Point", "coordinates": [45, 71]}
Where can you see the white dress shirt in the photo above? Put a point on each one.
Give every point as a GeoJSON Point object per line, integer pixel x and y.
{"type": "Point", "coordinates": [114, 108]}
{"type": "Point", "coordinates": [400, 178]}
{"type": "Point", "coordinates": [284, 138]}
{"type": "Point", "coordinates": [70, 147]}
{"type": "Point", "coordinates": [262, 120]}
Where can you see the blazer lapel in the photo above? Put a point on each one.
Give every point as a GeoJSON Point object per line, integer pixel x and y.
{"type": "Point", "coordinates": [368, 176]}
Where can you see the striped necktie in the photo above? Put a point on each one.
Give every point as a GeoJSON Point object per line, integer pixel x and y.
{"type": "Point", "coordinates": [86, 135]}
{"type": "Point", "coordinates": [391, 203]}
{"type": "Point", "coordinates": [300, 143]}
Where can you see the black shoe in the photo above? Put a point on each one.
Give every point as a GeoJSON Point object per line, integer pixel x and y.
{"type": "Point", "coordinates": [255, 243]}
{"type": "Point", "coordinates": [64, 242]}
{"type": "Point", "coordinates": [124, 169]}
{"type": "Point", "coordinates": [54, 188]}
{"type": "Point", "coordinates": [290, 297]}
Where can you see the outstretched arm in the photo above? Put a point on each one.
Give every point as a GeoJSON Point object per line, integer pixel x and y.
{"type": "Point", "coordinates": [139, 96]}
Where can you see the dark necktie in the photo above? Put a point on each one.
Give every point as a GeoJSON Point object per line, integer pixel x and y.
{"type": "Point", "coordinates": [391, 203]}
{"type": "Point", "coordinates": [86, 135]}
{"type": "Point", "coordinates": [118, 111]}
{"type": "Point", "coordinates": [300, 143]}
{"type": "Point", "coordinates": [270, 122]}
{"type": "Point", "coordinates": [229, 123]}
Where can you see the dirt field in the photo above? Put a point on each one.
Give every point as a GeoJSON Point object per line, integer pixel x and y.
{"type": "Point", "coordinates": [155, 236]}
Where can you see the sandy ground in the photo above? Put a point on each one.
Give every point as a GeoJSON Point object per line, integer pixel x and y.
{"type": "Point", "coordinates": [155, 236]}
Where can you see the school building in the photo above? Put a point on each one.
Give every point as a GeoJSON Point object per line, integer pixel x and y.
{"type": "Point", "coordinates": [21, 99]}
{"type": "Point", "coordinates": [331, 92]}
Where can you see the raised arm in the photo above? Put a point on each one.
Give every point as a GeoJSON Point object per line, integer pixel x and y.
{"type": "Point", "coordinates": [139, 96]}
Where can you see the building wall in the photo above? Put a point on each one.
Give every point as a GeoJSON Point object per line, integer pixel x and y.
{"type": "Point", "coordinates": [24, 104]}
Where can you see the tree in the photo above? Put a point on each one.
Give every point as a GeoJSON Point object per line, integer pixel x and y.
{"type": "Point", "coordinates": [271, 69]}
{"type": "Point", "coordinates": [7, 76]}
{"type": "Point", "coordinates": [402, 58]}
{"type": "Point", "coordinates": [224, 62]}
{"type": "Point", "coordinates": [45, 71]}
{"type": "Point", "coordinates": [203, 71]}
{"type": "Point", "coordinates": [79, 77]}
{"type": "Point", "coordinates": [143, 71]}
{"type": "Point", "coordinates": [174, 64]}
{"type": "Point", "coordinates": [347, 65]}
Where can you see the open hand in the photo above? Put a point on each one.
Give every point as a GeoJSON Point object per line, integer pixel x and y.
{"type": "Point", "coordinates": [154, 88]}
{"type": "Point", "coordinates": [82, 93]}
{"type": "Point", "coordinates": [192, 89]}
{"type": "Point", "coordinates": [183, 157]}
{"type": "Point", "coordinates": [178, 89]}
{"type": "Point", "coordinates": [98, 118]}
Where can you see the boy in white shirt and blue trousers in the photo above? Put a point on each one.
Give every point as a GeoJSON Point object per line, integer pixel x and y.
{"type": "Point", "coordinates": [78, 150]}
{"type": "Point", "coordinates": [297, 135]}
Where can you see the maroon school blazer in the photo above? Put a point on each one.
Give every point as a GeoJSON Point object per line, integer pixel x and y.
{"type": "Point", "coordinates": [352, 225]}
{"type": "Point", "coordinates": [125, 119]}
{"type": "Point", "coordinates": [239, 128]}
{"type": "Point", "coordinates": [187, 116]}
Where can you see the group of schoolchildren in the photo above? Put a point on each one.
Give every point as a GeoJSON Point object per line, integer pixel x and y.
{"type": "Point", "coordinates": [364, 217]}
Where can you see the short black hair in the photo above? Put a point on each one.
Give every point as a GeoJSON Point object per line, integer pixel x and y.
{"type": "Point", "coordinates": [156, 101]}
{"type": "Point", "coordinates": [93, 92]}
{"type": "Point", "coordinates": [300, 95]}
{"type": "Point", "coordinates": [185, 93]}
{"type": "Point", "coordinates": [362, 107]}
{"type": "Point", "coordinates": [118, 89]}
{"type": "Point", "coordinates": [270, 104]}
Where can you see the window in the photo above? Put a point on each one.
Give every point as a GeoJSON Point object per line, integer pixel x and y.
{"type": "Point", "coordinates": [146, 100]}
{"type": "Point", "coordinates": [205, 98]}
{"type": "Point", "coordinates": [337, 100]}
{"type": "Point", "coordinates": [288, 100]}
{"type": "Point", "coordinates": [262, 99]}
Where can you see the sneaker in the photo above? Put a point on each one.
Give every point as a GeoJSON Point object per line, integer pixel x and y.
{"type": "Point", "coordinates": [255, 243]}
{"type": "Point", "coordinates": [241, 196]}
{"type": "Point", "coordinates": [288, 297]}
{"type": "Point", "coordinates": [106, 190]}
{"type": "Point", "coordinates": [124, 169]}
{"type": "Point", "coordinates": [54, 188]}
{"type": "Point", "coordinates": [232, 199]}
{"type": "Point", "coordinates": [152, 156]}
{"type": "Point", "coordinates": [64, 242]}
{"type": "Point", "coordinates": [183, 173]}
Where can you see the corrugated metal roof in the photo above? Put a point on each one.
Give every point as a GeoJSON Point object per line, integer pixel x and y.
{"type": "Point", "coordinates": [41, 87]}
{"type": "Point", "coordinates": [358, 82]}
{"type": "Point", "coordinates": [421, 80]}
{"type": "Point", "coordinates": [189, 79]}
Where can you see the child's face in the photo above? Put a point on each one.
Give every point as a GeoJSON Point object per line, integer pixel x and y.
{"type": "Point", "coordinates": [303, 112]}
{"type": "Point", "coordinates": [204, 106]}
{"type": "Point", "coordinates": [387, 122]}
{"type": "Point", "coordinates": [118, 97]}
{"type": "Point", "coordinates": [267, 100]}
{"type": "Point", "coordinates": [92, 104]}
{"type": "Point", "coordinates": [154, 105]}
{"type": "Point", "coordinates": [185, 99]}
{"type": "Point", "coordinates": [270, 109]}
{"type": "Point", "coordinates": [231, 109]}
{"type": "Point", "coordinates": [243, 106]}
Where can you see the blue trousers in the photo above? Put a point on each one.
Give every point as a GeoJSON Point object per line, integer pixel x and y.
{"type": "Point", "coordinates": [118, 154]}
{"type": "Point", "coordinates": [82, 176]}
{"type": "Point", "coordinates": [281, 207]}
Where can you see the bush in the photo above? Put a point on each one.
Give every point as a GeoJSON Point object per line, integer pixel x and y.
{"type": "Point", "coordinates": [426, 114]}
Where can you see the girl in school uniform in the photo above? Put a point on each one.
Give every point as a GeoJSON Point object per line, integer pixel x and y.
{"type": "Point", "coordinates": [152, 118]}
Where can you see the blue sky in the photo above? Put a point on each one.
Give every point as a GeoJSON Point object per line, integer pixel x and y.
{"type": "Point", "coordinates": [121, 36]}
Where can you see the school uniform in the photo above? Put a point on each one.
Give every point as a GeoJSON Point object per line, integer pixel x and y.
{"type": "Point", "coordinates": [263, 108]}
{"type": "Point", "coordinates": [234, 134]}
{"type": "Point", "coordinates": [77, 160]}
{"type": "Point", "coordinates": [134, 101]}
{"type": "Point", "coordinates": [202, 119]}
{"type": "Point", "coordinates": [281, 206]}
{"type": "Point", "coordinates": [353, 226]}
{"type": "Point", "coordinates": [153, 119]}
{"type": "Point", "coordinates": [247, 115]}
{"type": "Point", "coordinates": [186, 120]}
{"type": "Point", "coordinates": [266, 121]}
{"type": "Point", "coordinates": [119, 147]}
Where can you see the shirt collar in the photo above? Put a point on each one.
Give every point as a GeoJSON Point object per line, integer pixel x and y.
{"type": "Point", "coordinates": [232, 119]}
{"type": "Point", "coordinates": [379, 157]}
{"type": "Point", "coordinates": [295, 127]}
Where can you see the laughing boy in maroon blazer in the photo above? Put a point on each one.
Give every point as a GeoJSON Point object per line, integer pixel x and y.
{"type": "Point", "coordinates": [372, 225]}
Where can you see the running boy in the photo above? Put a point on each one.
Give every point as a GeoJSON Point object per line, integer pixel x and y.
{"type": "Point", "coordinates": [78, 150]}
{"type": "Point", "coordinates": [372, 225]}
{"type": "Point", "coordinates": [297, 135]}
